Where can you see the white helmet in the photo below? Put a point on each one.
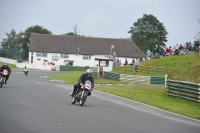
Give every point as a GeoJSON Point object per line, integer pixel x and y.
{"type": "Point", "coordinates": [89, 72]}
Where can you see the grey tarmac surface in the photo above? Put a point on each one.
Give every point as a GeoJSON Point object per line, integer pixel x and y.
{"type": "Point", "coordinates": [30, 104]}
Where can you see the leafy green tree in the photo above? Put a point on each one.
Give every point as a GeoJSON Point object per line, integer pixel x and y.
{"type": "Point", "coordinates": [12, 44]}
{"type": "Point", "coordinates": [10, 41]}
{"type": "Point", "coordinates": [71, 34]}
{"type": "Point", "coordinates": [27, 35]}
{"type": "Point", "coordinates": [148, 33]}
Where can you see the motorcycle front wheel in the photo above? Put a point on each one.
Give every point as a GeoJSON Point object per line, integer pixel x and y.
{"type": "Point", "coordinates": [83, 99]}
{"type": "Point", "coordinates": [73, 100]}
{"type": "Point", "coordinates": [1, 81]}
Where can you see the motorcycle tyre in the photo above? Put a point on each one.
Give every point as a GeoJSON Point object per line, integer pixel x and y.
{"type": "Point", "coordinates": [73, 100]}
{"type": "Point", "coordinates": [1, 83]}
{"type": "Point", "coordinates": [82, 101]}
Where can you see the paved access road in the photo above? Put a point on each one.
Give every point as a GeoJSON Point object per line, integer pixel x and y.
{"type": "Point", "coordinates": [30, 104]}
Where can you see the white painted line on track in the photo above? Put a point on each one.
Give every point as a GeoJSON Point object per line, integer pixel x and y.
{"type": "Point", "coordinates": [59, 85]}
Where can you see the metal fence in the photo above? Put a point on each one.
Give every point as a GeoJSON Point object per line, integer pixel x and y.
{"type": "Point", "coordinates": [147, 69]}
{"type": "Point", "coordinates": [183, 89]}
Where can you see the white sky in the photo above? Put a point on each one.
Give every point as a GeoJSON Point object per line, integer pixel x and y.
{"type": "Point", "coordinates": [101, 18]}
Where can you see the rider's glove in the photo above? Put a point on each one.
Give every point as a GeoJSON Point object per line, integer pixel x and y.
{"type": "Point", "coordinates": [92, 89]}
{"type": "Point", "coordinates": [81, 84]}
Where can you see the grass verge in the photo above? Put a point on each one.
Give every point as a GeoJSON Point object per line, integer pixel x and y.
{"type": "Point", "coordinates": [73, 76]}
{"type": "Point", "coordinates": [152, 96]}
{"type": "Point", "coordinates": [156, 97]}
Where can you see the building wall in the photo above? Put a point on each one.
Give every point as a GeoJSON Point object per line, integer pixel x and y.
{"type": "Point", "coordinates": [78, 60]}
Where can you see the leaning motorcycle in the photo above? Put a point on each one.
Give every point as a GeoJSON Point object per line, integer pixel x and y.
{"type": "Point", "coordinates": [3, 77]}
{"type": "Point", "coordinates": [82, 93]}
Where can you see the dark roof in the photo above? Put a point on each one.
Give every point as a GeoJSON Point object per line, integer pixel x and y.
{"type": "Point", "coordinates": [87, 45]}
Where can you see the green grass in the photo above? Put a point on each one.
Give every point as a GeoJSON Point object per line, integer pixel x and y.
{"type": "Point", "coordinates": [177, 61]}
{"type": "Point", "coordinates": [73, 76]}
{"type": "Point", "coordinates": [157, 98]}
{"type": "Point", "coordinates": [152, 96]}
{"type": "Point", "coordinates": [10, 65]}
{"type": "Point", "coordinates": [187, 68]}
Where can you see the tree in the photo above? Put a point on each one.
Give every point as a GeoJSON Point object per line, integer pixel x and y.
{"type": "Point", "coordinates": [27, 35]}
{"type": "Point", "coordinates": [12, 44]}
{"type": "Point", "coordinates": [71, 34]}
{"type": "Point", "coordinates": [148, 33]}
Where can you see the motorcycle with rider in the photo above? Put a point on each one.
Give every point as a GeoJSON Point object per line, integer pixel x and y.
{"type": "Point", "coordinates": [83, 88]}
{"type": "Point", "coordinates": [5, 72]}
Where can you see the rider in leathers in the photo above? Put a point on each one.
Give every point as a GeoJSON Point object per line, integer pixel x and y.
{"type": "Point", "coordinates": [82, 79]}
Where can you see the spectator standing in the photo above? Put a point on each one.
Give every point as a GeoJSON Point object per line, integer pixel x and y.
{"type": "Point", "coordinates": [115, 61]}
{"type": "Point", "coordinates": [148, 53]}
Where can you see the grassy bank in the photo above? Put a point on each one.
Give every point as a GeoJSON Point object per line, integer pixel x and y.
{"type": "Point", "coordinates": [184, 67]}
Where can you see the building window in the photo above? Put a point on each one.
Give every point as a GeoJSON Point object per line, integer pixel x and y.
{"type": "Point", "coordinates": [64, 56]}
{"type": "Point", "coordinates": [41, 54]}
{"type": "Point", "coordinates": [86, 57]}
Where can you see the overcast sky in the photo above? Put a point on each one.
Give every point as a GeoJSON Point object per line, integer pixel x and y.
{"type": "Point", "coordinates": [101, 18]}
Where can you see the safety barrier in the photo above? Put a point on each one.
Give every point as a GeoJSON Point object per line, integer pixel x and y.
{"type": "Point", "coordinates": [95, 75]}
{"type": "Point", "coordinates": [135, 78]}
{"type": "Point", "coordinates": [111, 75]}
{"type": "Point", "coordinates": [73, 68]}
{"type": "Point", "coordinates": [157, 80]}
{"type": "Point", "coordinates": [183, 89]}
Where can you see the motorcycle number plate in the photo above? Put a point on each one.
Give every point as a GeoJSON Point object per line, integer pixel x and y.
{"type": "Point", "coordinates": [5, 72]}
{"type": "Point", "coordinates": [88, 86]}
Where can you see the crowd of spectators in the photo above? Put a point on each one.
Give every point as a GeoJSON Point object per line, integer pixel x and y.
{"type": "Point", "coordinates": [177, 49]}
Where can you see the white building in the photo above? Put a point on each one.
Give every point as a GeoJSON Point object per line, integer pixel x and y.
{"type": "Point", "coordinates": [79, 51]}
